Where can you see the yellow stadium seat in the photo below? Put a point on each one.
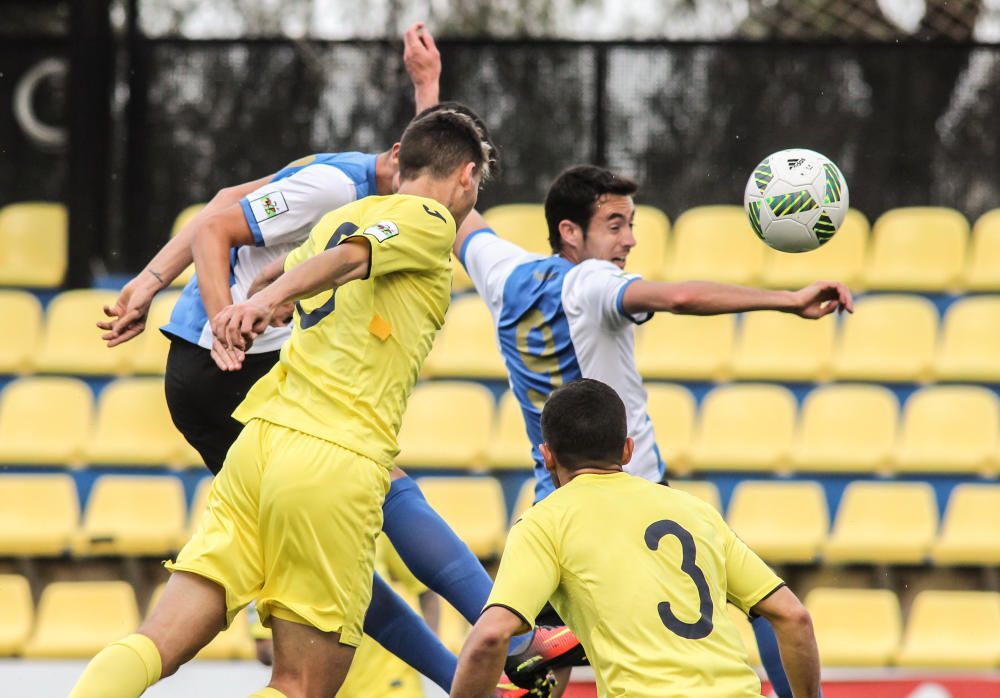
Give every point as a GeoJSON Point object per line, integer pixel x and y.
{"type": "Point", "coordinates": [855, 627]}
{"type": "Point", "coordinates": [183, 218]}
{"type": "Point", "coordinates": [33, 244]}
{"type": "Point", "coordinates": [428, 437]}
{"type": "Point", "coordinates": [743, 627]}
{"type": "Point", "coordinates": [889, 338]}
{"type": "Point", "coordinates": [671, 408]}
{"type": "Point", "coordinates": [45, 421]}
{"type": "Point", "coordinates": [509, 447]}
{"type": "Point", "coordinates": [134, 427]}
{"type": "Point", "coordinates": [652, 230]}
{"type": "Point", "coordinates": [744, 427]}
{"type": "Point", "coordinates": [846, 428]}
{"type": "Point", "coordinates": [917, 249]}
{"type": "Point", "coordinates": [76, 620]}
{"type": "Point", "coordinates": [982, 272]}
{"type": "Point", "coordinates": [153, 346]}
{"type": "Point", "coordinates": [234, 642]}
{"type": "Point", "coordinates": [703, 490]}
{"type": "Point", "coordinates": [18, 348]}
{"type": "Point", "coordinates": [970, 531]}
{"type": "Point", "coordinates": [129, 515]}
{"type": "Point", "coordinates": [473, 507]}
{"type": "Point", "coordinates": [452, 628]}
{"type": "Point", "coordinates": [715, 243]}
{"type": "Point", "coordinates": [952, 630]}
{"type": "Point", "coordinates": [686, 347]}
{"type": "Point", "coordinates": [949, 429]}
{"type": "Point", "coordinates": [783, 522]}
{"type": "Point", "coordinates": [467, 345]}
{"type": "Point", "coordinates": [883, 522]}
{"type": "Point", "coordinates": [72, 343]}
{"type": "Point", "coordinates": [460, 280]}
{"type": "Point", "coordinates": [525, 500]}
{"type": "Point", "coordinates": [198, 504]}
{"type": "Point", "coordinates": [18, 613]}
{"type": "Point", "coordinates": [783, 347]}
{"type": "Point", "coordinates": [38, 514]}
{"type": "Point", "coordinates": [841, 259]}
{"type": "Point", "coordinates": [970, 341]}
{"type": "Point", "coordinates": [522, 224]}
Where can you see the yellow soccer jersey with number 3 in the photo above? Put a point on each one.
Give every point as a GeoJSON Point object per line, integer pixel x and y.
{"type": "Point", "coordinates": [354, 354]}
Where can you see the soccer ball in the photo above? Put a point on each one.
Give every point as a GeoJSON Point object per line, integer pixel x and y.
{"type": "Point", "coordinates": [796, 200]}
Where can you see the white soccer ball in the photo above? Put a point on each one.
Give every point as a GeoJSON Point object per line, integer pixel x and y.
{"type": "Point", "coordinates": [796, 200]}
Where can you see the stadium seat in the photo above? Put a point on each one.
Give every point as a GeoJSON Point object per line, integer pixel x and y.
{"type": "Point", "coordinates": [198, 504]}
{"type": "Point", "coordinates": [889, 338]}
{"type": "Point", "coordinates": [45, 421]}
{"type": "Point", "coordinates": [183, 218]}
{"type": "Point", "coordinates": [18, 613]}
{"type": "Point", "coordinates": [783, 347]}
{"type": "Point", "coordinates": [841, 259]}
{"type": "Point", "coordinates": [525, 499]}
{"type": "Point", "coordinates": [72, 343]}
{"type": "Point", "coordinates": [153, 346]}
{"type": "Point", "coordinates": [745, 630]}
{"type": "Point", "coordinates": [970, 341]}
{"type": "Point", "coordinates": [982, 273]}
{"type": "Point", "coordinates": [949, 429]}
{"type": "Point", "coordinates": [685, 347]}
{"type": "Point", "coordinates": [715, 243]}
{"type": "Point", "coordinates": [702, 489]}
{"type": "Point", "coordinates": [75, 620]}
{"type": "Point", "coordinates": [855, 627]}
{"type": "Point", "coordinates": [460, 280]}
{"type": "Point", "coordinates": [467, 345]}
{"type": "Point", "coordinates": [473, 507]}
{"type": "Point", "coordinates": [522, 224]}
{"type": "Point", "coordinates": [38, 514]}
{"type": "Point", "coordinates": [130, 515]}
{"type": "Point", "coordinates": [970, 531]}
{"type": "Point", "coordinates": [652, 230]}
{"type": "Point", "coordinates": [672, 410]}
{"type": "Point", "coordinates": [134, 427]}
{"type": "Point", "coordinates": [452, 628]}
{"type": "Point", "coordinates": [744, 427]}
{"type": "Point", "coordinates": [509, 447]}
{"type": "Point", "coordinates": [234, 642]}
{"type": "Point", "coordinates": [883, 523]}
{"type": "Point", "coordinates": [917, 249]}
{"type": "Point", "coordinates": [18, 348]}
{"type": "Point", "coordinates": [446, 425]}
{"type": "Point", "coordinates": [783, 522]}
{"type": "Point", "coordinates": [952, 630]}
{"type": "Point", "coordinates": [846, 429]}
{"type": "Point", "coordinates": [33, 244]}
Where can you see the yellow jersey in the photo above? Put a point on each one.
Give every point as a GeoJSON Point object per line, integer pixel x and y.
{"type": "Point", "coordinates": [354, 354]}
{"type": "Point", "coordinates": [642, 574]}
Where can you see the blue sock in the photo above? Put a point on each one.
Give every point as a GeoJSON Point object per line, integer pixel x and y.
{"type": "Point", "coordinates": [394, 625]}
{"type": "Point", "coordinates": [767, 644]}
{"type": "Point", "coordinates": [435, 555]}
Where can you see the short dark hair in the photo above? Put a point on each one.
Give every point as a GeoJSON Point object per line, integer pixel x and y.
{"type": "Point", "coordinates": [443, 137]}
{"type": "Point", "coordinates": [584, 422]}
{"type": "Point", "coordinates": [575, 193]}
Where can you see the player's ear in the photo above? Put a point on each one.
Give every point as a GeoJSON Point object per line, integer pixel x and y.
{"type": "Point", "coordinates": [627, 451]}
{"type": "Point", "coordinates": [571, 234]}
{"type": "Point", "coordinates": [468, 177]}
{"type": "Point", "coordinates": [550, 461]}
{"type": "Point", "coordinates": [395, 153]}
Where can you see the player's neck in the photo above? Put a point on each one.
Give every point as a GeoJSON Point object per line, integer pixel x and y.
{"type": "Point", "coordinates": [570, 255]}
{"type": "Point", "coordinates": [383, 173]}
{"type": "Point", "coordinates": [445, 191]}
{"type": "Point", "coordinates": [565, 476]}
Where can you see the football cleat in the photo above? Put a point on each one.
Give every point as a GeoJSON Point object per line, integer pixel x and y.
{"type": "Point", "coordinates": [550, 648]}
{"type": "Point", "coordinates": [542, 688]}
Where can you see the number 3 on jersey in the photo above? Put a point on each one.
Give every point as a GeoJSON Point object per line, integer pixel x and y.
{"type": "Point", "coordinates": [308, 319]}
{"type": "Point", "coordinates": [703, 626]}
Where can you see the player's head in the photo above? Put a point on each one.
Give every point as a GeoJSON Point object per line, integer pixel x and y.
{"type": "Point", "coordinates": [448, 144]}
{"type": "Point", "coordinates": [584, 425]}
{"type": "Point", "coordinates": [589, 212]}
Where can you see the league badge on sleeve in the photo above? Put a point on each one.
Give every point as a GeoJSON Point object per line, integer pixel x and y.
{"type": "Point", "coordinates": [268, 206]}
{"type": "Point", "coordinates": [382, 231]}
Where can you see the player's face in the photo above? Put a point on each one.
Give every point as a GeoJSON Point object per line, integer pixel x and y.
{"type": "Point", "coordinates": [609, 235]}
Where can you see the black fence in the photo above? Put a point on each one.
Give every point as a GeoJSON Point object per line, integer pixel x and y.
{"type": "Point", "coordinates": [909, 124]}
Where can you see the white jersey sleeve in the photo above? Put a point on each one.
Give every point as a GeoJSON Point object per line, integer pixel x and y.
{"type": "Point", "coordinates": [489, 260]}
{"type": "Point", "coordinates": [597, 290]}
{"type": "Point", "coordinates": [283, 211]}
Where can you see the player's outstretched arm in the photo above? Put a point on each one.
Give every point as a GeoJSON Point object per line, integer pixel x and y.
{"type": "Point", "coordinates": [482, 658]}
{"type": "Point", "coordinates": [473, 222]}
{"type": "Point", "coordinates": [423, 65]}
{"type": "Point", "coordinates": [128, 314]}
{"type": "Point", "coordinates": [796, 641]}
{"type": "Point", "coordinates": [710, 298]}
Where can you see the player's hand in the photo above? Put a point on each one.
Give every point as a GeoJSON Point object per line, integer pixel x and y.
{"type": "Point", "coordinates": [128, 314]}
{"type": "Point", "coordinates": [236, 326]}
{"type": "Point", "coordinates": [283, 314]}
{"type": "Point", "coordinates": [421, 56]}
{"type": "Point", "coordinates": [822, 298]}
{"type": "Point", "coordinates": [226, 359]}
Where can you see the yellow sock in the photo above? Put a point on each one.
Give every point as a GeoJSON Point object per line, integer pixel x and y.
{"type": "Point", "coordinates": [268, 693]}
{"type": "Point", "coordinates": [123, 669]}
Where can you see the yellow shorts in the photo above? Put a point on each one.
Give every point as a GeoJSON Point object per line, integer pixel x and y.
{"type": "Point", "coordinates": [291, 522]}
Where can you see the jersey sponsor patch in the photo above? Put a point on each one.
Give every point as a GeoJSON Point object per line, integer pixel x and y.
{"type": "Point", "coordinates": [382, 231]}
{"type": "Point", "coordinates": [268, 206]}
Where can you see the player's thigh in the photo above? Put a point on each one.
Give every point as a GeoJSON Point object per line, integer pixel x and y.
{"type": "Point", "coordinates": [308, 663]}
{"type": "Point", "coordinates": [320, 513]}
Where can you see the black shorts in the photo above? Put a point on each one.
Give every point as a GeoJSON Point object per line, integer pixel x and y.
{"type": "Point", "coordinates": [201, 397]}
